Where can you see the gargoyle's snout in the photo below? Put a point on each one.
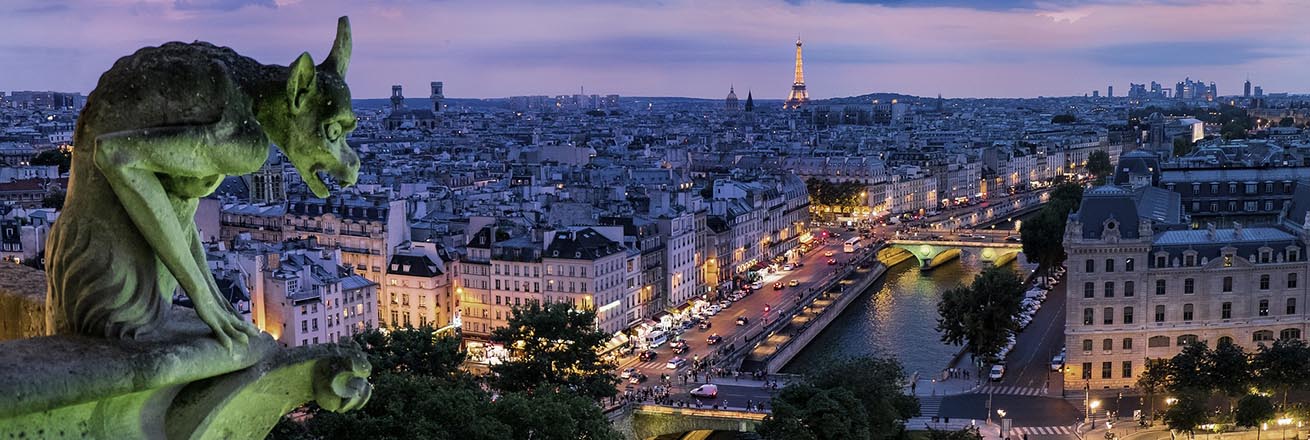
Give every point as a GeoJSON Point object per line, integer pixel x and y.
{"type": "Point", "coordinates": [347, 171]}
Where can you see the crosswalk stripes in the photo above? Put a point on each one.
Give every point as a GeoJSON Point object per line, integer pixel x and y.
{"type": "Point", "coordinates": [1042, 430]}
{"type": "Point", "coordinates": [1011, 390]}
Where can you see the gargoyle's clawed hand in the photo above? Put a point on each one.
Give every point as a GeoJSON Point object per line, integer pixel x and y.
{"type": "Point", "coordinates": [228, 328]}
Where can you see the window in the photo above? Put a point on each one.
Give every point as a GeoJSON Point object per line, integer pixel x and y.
{"type": "Point", "coordinates": [1107, 344]}
{"type": "Point", "coordinates": [1226, 311]}
{"type": "Point", "coordinates": [1189, 260]}
{"type": "Point", "coordinates": [1291, 280]}
{"type": "Point", "coordinates": [1158, 341]}
{"type": "Point", "coordinates": [1161, 261]}
{"type": "Point", "coordinates": [1159, 287]}
{"type": "Point", "coordinates": [1128, 315]}
{"type": "Point", "coordinates": [1087, 345]}
{"type": "Point", "coordinates": [1127, 369]}
{"type": "Point", "coordinates": [1109, 265]}
{"type": "Point", "coordinates": [1262, 336]}
{"type": "Point", "coordinates": [1107, 370]}
{"type": "Point", "coordinates": [1228, 283]}
{"type": "Point", "coordinates": [1128, 265]}
{"type": "Point", "coordinates": [1087, 370]}
{"type": "Point", "coordinates": [1185, 340]}
{"type": "Point", "coordinates": [1109, 289]}
{"type": "Point", "coordinates": [1290, 333]}
{"type": "Point", "coordinates": [1264, 282]}
{"type": "Point", "coordinates": [1091, 266]}
{"type": "Point", "coordinates": [1264, 307]}
{"type": "Point", "coordinates": [1128, 289]}
{"type": "Point", "coordinates": [1291, 306]}
{"type": "Point", "coordinates": [1187, 312]}
{"type": "Point", "coordinates": [1128, 344]}
{"type": "Point", "coordinates": [1228, 260]}
{"type": "Point", "coordinates": [1189, 286]}
{"type": "Point", "coordinates": [1225, 340]}
{"type": "Point", "coordinates": [1087, 316]}
{"type": "Point", "coordinates": [1089, 290]}
{"type": "Point", "coordinates": [1159, 313]}
{"type": "Point", "coordinates": [1107, 316]}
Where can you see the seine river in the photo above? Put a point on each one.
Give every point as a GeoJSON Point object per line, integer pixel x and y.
{"type": "Point", "coordinates": [897, 316]}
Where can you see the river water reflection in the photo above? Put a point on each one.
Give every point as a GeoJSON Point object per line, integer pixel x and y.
{"type": "Point", "coordinates": [897, 316]}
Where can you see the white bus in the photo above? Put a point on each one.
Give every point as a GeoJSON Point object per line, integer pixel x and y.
{"type": "Point", "coordinates": [656, 338]}
{"type": "Point", "coordinates": [851, 245]}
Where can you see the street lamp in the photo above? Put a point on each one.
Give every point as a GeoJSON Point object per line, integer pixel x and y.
{"type": "Point", "coordinates": [1092, 412]}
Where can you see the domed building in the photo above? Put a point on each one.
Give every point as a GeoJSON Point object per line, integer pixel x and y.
{"type": "Point", "coordinates": [730, 104]}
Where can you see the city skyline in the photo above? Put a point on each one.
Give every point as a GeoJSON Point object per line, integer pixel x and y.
{"type": "Point", "coordinates": [956, 48]}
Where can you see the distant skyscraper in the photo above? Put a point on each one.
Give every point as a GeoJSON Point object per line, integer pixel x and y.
{"type": "Point", "coordinates": [1096, 93]}
{"type": "Point", "coordinates": [798, 95]}
{"type": "Point", "coordinates": [1246, 88]}
{"type": "Point", "coordinates": [1109, 91]}
{"type": "Point", "coordinates": [730, 104]}
{"type": "Point", "coordinates": [1259, 91]}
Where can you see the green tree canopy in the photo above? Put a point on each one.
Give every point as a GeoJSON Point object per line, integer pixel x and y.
{"type": "Point", "coordinates": [1229, 369]}
{"type": "Point", "coordinates": [57, 157]}
{"type": "Point", "coordinates": [1182, 146]}
{"type": "Point", "coordinates": [1253, 410]}
{"type": "Point", "coordinates": [1187, 413]}
{"type": "Point", "coordinates": [1190, 370]}
{"type": "Point", "coordinates": [416, 351]}
{"type": "Point", "coordinates": [982, 316]}
{"type": "Point", "coordinates": [1286, 122]}
{"type": "Point", "coordinates": [856, 398]}
{"type": "Point", "coordinates": [1098, 164]}
{"type": "Point", "coordinates": [555, 346]}
{"type": "Point", "coordinates": [1282, 366]}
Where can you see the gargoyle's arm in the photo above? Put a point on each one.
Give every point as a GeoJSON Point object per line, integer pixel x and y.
{"type": "Point", "coordinates": [130, 160]}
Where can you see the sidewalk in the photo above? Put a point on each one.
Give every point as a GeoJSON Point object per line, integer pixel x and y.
{"type": "Point", "coordinates": [1160, 432]}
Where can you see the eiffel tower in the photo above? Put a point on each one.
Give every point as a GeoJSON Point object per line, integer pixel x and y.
{"type": "Point", "coordinates": [798, 96]}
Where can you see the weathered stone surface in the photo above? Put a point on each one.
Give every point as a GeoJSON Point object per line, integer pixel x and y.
{"type": "Point", "coordinates": [22, 302]}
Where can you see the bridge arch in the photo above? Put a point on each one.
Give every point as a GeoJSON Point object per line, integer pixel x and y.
{"type": "Point", "coordinates": [646, 422]}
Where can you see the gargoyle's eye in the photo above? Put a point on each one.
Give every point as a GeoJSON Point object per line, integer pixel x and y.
{"type": "Point", "coordinates": [332, 131]}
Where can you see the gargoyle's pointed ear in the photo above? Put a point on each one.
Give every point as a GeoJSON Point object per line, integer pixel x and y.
{"type": "Point", "coordinates": [339, 59]}
{"type": "Point", "coordinates": [301, 82]}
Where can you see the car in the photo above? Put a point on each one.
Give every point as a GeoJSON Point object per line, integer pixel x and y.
{"type": "Point", "coordinates": [828, 254]}
{"type": "Point", "coordinates": [675, 363]}
{"type": "Point", "coordinates": [757, 285]}
{"type": "Point", "coordinates": [727, 304]}
{"type": "Point", "coordinates": [742, 320]}
{"type": "Point", "coordinates": [647, 355]}
{"type": "Point", "coordinates": [712, 310]}
{"type": "Point", "coordinates": [832, 261]}
{"type": "Point", "coordinates": [713, 339]}
{"type": "Point", "coordinates": [705, 325]}
{"type": "Point", "coordinates": [636, 378]}
{"type": "Point", "coordinates": [793, 283]}
{"type": "Point", "coordinates": [680, 349]}
{"type": "Point", "coordinates": [998, 371]}
{"type": "Point", "coordinates": [1013, 238]}
{"type": "Point", "coordinates": [777, 285]}
{"type": "Point", "coordinates": [686, 325]}
{"type": "Point", "coordinates": [628, 372]}
{"type": "Point", "coordinates": [707, 391]}
{"type": "Point", "coordinates": [1057, 362]}
{"type": "Point", "coordinates": [788, 266]}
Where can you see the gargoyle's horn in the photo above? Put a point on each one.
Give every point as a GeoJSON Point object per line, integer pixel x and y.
{"type": "Point", "coordinates": [339, 59]}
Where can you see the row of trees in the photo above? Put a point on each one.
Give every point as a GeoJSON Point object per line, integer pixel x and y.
{"type": "Point", "coordinates": [548, 391]}
{"type": "Point", "coordinates": [982, 315]}
{"type": "Point", "coordinates": [827, 193]}
{"type": "Point", "coordinates": [1228, 371]}
{"type": "Point", "coordinates": [1043, 235]}
{"type": "Point", "coordinates": [850, 399]}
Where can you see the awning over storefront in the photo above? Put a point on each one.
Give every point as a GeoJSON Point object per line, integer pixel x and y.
{"type": "Point", "coordinates": [614, 343]}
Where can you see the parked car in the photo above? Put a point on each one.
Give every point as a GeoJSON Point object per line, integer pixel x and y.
{"type": "Point", "coordinates": [742, 320]}
{"type": "Point", "coordinates": [1057, 362]}
{"type": "Point", "coordinates": [757, 285]}
{"type": "Point", "coordinates": [704, 325]}
{"type": "Point", "coordinates": [713, 339]}
{"type": "Point", "coordinates": [675, 363]}
{"type": "Point", "coordinates": [788, 266]}
{"type": "Point", "coordinates": [707, 391]}
{"type": "Point", "coordinates": [793, 283]}
{"type": "Point", "coordinates": [998, 371]}
{"type": "Point", "coordinates": [628, 372]}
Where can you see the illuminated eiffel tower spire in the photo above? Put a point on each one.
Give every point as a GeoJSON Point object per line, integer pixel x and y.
{"type": "Point", "coordinates": [798, 95]}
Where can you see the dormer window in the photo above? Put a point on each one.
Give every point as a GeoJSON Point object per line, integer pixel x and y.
{"type": "Point", "coordinates": [1228, 260]}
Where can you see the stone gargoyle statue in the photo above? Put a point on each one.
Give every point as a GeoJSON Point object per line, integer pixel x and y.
{"type": "Point", "coordinates": [162, 128]}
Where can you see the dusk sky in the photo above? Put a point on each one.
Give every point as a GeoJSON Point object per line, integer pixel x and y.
{"type": "Point", "coordinates": [693, 48]}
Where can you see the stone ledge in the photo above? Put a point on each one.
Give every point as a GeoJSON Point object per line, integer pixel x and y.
{"type": "Point", "coordinates": [22, 302]}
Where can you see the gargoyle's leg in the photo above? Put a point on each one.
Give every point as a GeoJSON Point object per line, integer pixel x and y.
{"type": "Point", "coordinates": [130, 161]}
{"type": "Point", "coordinates": [186, 214]}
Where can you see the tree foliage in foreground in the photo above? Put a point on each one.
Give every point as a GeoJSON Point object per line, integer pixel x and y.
{"type": "Point", "coordinates": [555, 346]}
{"type": "Point", "coordinates": [856, 398]}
